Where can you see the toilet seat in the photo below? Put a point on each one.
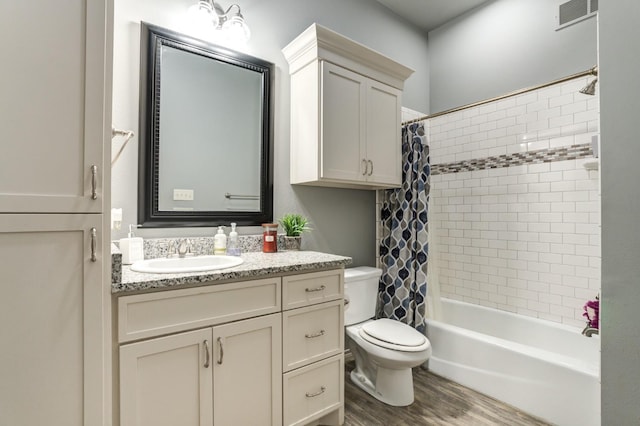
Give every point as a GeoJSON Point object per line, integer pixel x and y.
{"type": "Point", "coordinates": [394, 335]}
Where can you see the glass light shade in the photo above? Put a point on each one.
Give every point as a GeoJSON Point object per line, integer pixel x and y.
{"type": "Point", "coordinates": [202, 15]}
{"type": "Point", "coordinates": [236, 29]}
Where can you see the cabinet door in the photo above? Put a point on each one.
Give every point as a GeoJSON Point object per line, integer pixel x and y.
{"type": "Point", "coordinates": [384, 149]}
{"type": "Point", "coordinates": [247, 372]}
{"type": "Point", "coordinates": [51, 320]}
{"type": "Point", "coordinates": [167, 381]}
{"type": "Point", "coordinates": [52, 114]}
{"type": "Point", "coordinates": [343, 128]}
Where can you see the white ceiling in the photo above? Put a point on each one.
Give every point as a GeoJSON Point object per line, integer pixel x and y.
{"type": "Point", "coordinates": [430, 14]}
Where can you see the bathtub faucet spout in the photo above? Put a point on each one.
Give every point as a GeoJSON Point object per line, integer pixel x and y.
{"type": "Point", "coordinates": [590, 331]}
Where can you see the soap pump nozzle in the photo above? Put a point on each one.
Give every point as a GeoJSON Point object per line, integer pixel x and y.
{"type": "Point", "coordinates": [130, 234]}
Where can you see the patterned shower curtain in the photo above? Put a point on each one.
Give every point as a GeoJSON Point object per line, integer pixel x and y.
{"type": "Point", "coordinates": [404, 245]}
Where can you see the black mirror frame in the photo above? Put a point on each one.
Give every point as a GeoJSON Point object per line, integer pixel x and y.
{"type": "Point", "coordinates": [152, 38]}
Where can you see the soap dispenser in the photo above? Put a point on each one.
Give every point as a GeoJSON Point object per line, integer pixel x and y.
{"type": "Point", "coordinates": [132, 248]}
{"type": "Point", "coordinates": [233, 246]}
{"type": "Point", "coordinates": [220, 242]}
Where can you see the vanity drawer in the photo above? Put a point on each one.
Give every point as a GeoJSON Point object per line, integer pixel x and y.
{"type": "Point", "coordinates": [309, 289]}
{"type": "Point", "coordinates": [312, 333]}
{"type": "Point", "coordinates": [313, 391]}
{"type": "Point", "coordinates": [153, 314]}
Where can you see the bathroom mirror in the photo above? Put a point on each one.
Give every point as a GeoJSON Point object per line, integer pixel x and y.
{"type": "Point", "coordinates": [205, 133]}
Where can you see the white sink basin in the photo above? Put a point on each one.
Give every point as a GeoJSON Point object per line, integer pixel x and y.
{"type": "Point", "coordinates": [179, 265]}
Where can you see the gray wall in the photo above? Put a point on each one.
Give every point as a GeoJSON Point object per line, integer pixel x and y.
{"type": "Point", "coordinates": [343, 220]}
{"type": "Point", "coordinates": [620, 103]}
{"type": "Point", "coordinates": [503, 46]}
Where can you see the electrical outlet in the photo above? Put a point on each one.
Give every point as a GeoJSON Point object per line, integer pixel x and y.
{"type": "Point", "coordinates": [183, 195]}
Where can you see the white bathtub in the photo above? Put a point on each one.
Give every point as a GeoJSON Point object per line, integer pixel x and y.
{"type": "Point", "coordinates": [546, 369]}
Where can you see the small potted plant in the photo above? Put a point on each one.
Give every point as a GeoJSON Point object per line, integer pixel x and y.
{"type": "Point", "coordinates": [294, 225]}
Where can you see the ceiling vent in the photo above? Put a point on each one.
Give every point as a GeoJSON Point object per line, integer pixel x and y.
{"type": "Point", "coordinates": [575, 11]}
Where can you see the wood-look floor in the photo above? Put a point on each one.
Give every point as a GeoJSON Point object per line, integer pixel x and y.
{"type": "Point", "coordinates": [438, 401]}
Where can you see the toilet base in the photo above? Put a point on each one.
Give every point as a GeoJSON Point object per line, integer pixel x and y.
{"type": "Point", "coordinates": [393, 387]}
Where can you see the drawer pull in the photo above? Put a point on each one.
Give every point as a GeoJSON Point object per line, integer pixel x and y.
{"type": "Point", "coordinates": [320, 392]}
{"type": "Point", "coordinates": [207, 356]}
{"type": "Point", "coordinates": [318, 334]}
{"type": "Point", "coordinates": [221, 356]}
{"type": "Point", "coordinates": [311, 290]}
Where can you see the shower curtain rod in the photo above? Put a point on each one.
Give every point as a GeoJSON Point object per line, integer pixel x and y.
{"type": "Point", "coordinates": [590, 71]}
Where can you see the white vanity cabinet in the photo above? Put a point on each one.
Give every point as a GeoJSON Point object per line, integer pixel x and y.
{"type": "Point", "coordinates": [224, 375]}
{"type": "Point", "coordinates": [167, 381]}
{"type": "Point", "coordinates": [345, 112]}
{"type": "Point", "coordinates": [216, 354]}
{"type": "Point", "coordinates": [313, 348]}
{"type": "Point", "coordinates": [220, 362]}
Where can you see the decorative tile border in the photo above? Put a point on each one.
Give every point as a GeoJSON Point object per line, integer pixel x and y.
{"type": "Point", "coordinates": [571, 152]}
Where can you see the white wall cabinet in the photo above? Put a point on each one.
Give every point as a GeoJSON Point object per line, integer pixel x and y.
{"type": "Point", "coordinates": [53, 105]}
{"type": "Point", "coordinates": [55, 116]}
{"type": "Point", "coordinates": [360, 129]}
{"type": "Point", "coordinates": [345, 112]}
{"type": "Point", "coordinates": [51, 320]}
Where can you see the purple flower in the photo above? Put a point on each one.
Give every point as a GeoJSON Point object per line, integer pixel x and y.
{"type": "Point", "coordinates": [592, 306]}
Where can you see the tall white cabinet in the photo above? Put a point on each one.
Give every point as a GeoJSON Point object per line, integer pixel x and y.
{"type": "Point", "coordinates": [54, 189]}
{"type": "Point", "coordinates": [345, 112]}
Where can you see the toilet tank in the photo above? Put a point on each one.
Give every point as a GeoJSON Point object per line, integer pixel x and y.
{"type": "Point", "coordinates": [361, 293]}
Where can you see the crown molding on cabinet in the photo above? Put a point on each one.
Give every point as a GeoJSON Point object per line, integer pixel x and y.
{"type": "Point", "coordinates": [320, 43]}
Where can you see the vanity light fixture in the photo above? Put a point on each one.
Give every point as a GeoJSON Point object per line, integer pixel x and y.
{"type": "Point", "coordinates": [230, 23]}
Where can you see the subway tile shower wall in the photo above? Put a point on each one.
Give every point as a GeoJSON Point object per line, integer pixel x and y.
{"type": "Point", "coordinates": [514, 213]}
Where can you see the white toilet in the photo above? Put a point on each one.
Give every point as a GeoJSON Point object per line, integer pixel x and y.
{"type": "Point", "coordinates": [385, 350]}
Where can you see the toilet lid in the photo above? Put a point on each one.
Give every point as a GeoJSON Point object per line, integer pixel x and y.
{"type": "Point", "coordinates": [394, 335]}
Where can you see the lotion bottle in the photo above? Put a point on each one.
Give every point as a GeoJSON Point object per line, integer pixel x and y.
{"type": "Point", "coordinates": [233, 247]}
{"type": "Point", "coordinates": [220, 242]}
{"type": "Point", "coordinates": [132, 248]}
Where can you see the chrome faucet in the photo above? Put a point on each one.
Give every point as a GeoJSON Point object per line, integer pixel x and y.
{"type": "Point", "coordinates": [184, 248]}
{"type": "Point", "coordinates": [179, 248]}
{"type": "Point", "coordinates": [590, 331]}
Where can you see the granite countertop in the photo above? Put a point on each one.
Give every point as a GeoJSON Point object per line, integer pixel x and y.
{"type": "Point", "coordinates": [256, 265]}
